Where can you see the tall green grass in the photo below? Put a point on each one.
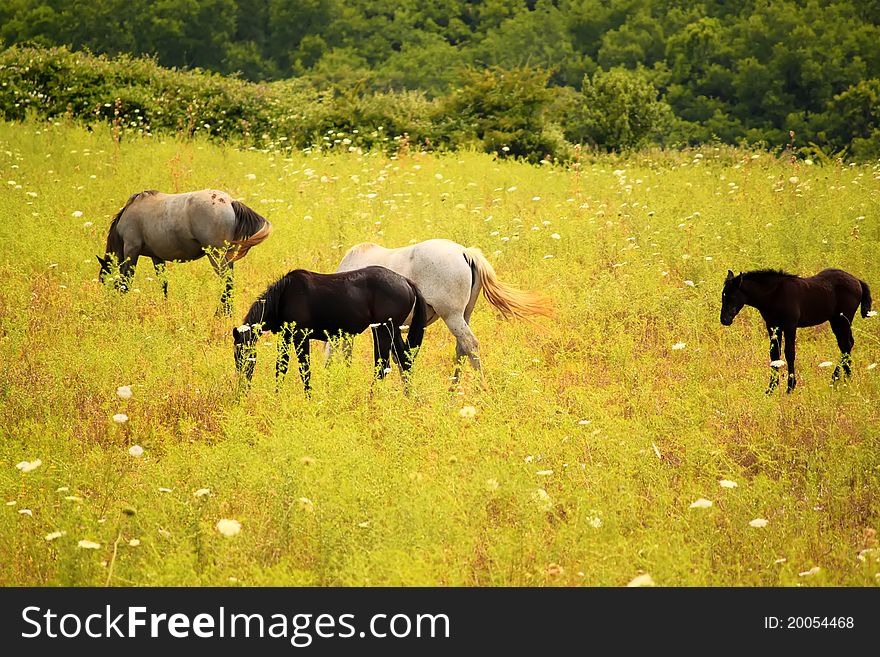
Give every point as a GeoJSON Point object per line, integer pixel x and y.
{"type": "Point", "coordinates": [362, 485]}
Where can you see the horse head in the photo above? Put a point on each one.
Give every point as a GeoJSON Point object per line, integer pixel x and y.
{"type": "Point", "coordinates": [245, 338]}
{"type": "Point", "coordinates": [110, 272]}
{"type": "Point", "coordinates": [732, 298]}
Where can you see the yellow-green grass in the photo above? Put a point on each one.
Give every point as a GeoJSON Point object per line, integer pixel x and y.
{"type": "Point", "coordinates": [362, 485]}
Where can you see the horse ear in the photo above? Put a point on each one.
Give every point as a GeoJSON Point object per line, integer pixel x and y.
{"type": "Point", "coordinates": [101, 260]}
{"type": "Point", "coordinates": [729, 274]}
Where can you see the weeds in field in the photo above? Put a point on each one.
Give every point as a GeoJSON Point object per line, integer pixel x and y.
{"type": "Point", "coordinates": [580, 463]}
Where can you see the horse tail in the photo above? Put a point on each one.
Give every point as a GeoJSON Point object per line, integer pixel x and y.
{"type": "Point", "coordinates": [510, 300]}
{"type": "Point", "coordinates": [250, 229]}
{"type": "Point", "coordinates": [866, 298]}
{"type": "Point", "coordinates": [419, 321]}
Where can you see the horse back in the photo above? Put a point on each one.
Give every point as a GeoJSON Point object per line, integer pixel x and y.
{"type": "Point", "coordinates": [178, 226]}
{"type": "Point", "coordinates": [437, 266]}
{"type": "Point", "coordinates": [346, 302]}
{"type": "Point", "coordinates": [827, 295]}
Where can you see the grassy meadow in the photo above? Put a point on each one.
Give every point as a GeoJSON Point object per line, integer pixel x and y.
{"type": "Point", "coordinates": [582, 459]}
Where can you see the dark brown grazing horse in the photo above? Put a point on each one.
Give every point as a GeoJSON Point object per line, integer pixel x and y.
{"type": "Point", "coordinates": [304, 305]}
{"type": "Point", "coordinates": [788, 302]}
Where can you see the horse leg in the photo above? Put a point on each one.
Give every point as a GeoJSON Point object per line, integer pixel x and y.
{"type": "Point", "coordinates": [161, 274]}
{"type": "Point", "coordinates": [285, 338]}
{"type": "Point", "coordinates": [402, 356]}
{"type": "Point", "coordinates": [466, 344]}
{"type": "Point", "coordinates": [225, 271]}
{"type": "Point", "coordinates": [301, 344]}
{"type": "Point", "coordinates": [775, 340]}
{"type": "Point", "coordinates": [345, 345]}
{"type": "Point", "coordinates": [843, 332]}
{"type": "Point", "coordinates": [127, 266]}
{"type": "Point", "coordinates": [788, 334]}
{"type": "Point", "coordinates": [382, 338]}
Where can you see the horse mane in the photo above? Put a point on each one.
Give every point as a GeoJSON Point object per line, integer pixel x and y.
{"type": "Point", "coordinates": [265, 309]}
{"type": "Point", "coordinates": [767, 273]}
{"type": "Point", "coordinates": [363, 246]}
{"type": "Point", "coordinates": [114, 241]}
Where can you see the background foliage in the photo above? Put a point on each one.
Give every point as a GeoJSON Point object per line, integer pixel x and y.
{"type": "Point", "coordinates": [751, 72]}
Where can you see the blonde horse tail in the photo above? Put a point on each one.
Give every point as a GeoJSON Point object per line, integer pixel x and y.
{"type": "Point", "coordinates": [509, 300]}
{"type": "Point", "coordinates": [250, 229]}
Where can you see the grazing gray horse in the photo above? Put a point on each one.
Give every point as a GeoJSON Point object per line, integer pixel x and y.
{"type": "Point", "coordinates": [450, 277]}
{"type": "Point", "coordinates": [181, 227]}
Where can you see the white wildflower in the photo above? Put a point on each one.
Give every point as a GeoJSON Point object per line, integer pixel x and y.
{"type": "Point", "coordinates": [29, 466]}
{"type": "Point", "coordinates": [542, 499]}
{"type": "Point", "coordinates": [701, 503]}
{"type": "Point", "coordinates": [228, 526]}
{"type": "Point", "coordinates": [642, 580]}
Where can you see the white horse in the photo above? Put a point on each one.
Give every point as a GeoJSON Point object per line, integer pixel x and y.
{"type": "Point", "coordinates": [450, 277]}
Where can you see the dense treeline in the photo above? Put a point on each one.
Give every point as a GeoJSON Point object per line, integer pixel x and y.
{"type": "Point", "coordinates": [752, 70]}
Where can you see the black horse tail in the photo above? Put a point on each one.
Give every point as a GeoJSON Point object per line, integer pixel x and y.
{"type": "Point", "coordinates": [418, 323]}
{"type": "Point", "coordinates": [250, 229]}
{"type": "Point", "coordinates": [866, 298]}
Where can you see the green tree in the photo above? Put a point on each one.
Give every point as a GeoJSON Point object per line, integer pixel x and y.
{"type": "Point", "coordinates": [536, 38]}
{"type": "Point", "coordinates": [619, 110]}
{"type": "Point", "coordinates": [854, 117]}
{"type": "Point", "coordinates": [502, 111]}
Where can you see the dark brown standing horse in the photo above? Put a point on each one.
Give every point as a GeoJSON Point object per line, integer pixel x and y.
{"type": "Point", "coordinates": [304, 305]}
{"type": "Point", "coordinates": [788, 302]}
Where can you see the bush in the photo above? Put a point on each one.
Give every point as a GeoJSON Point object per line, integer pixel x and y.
{"type": "Point", "coordinates": [501, 111]}
{"type": "Point", "coordinates": [619, 110]}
